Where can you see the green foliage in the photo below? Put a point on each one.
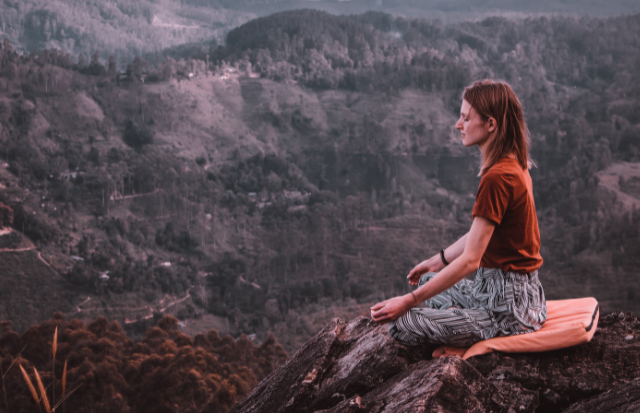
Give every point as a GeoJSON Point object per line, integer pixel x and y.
{"type": "Point", "coordinates": [135, 136]}
{"type": "Point", "coordinates": [33, 225]}
{"type": "Point", "coordinates": [11, 240]}
{"type": "Point", "coordinates": [176, 242]}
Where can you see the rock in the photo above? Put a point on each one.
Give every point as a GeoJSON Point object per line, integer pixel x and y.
{"type": "Point", "coordinates": [446, 384]}
{"type": "Point", "coordinates": [566, 376]}
{"type": "Point", "coordinates": [341, 361]}
{"type": "Point", "coordinates": [624, 398]}
{"type": "Point", "coordinates": [357, 367]}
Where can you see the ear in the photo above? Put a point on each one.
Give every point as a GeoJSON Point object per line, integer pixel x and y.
{"type": "Point", "coordinates": [492, 125]}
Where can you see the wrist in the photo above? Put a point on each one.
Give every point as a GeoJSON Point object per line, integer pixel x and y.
{"type": "Point", "coordinates": [410, 300]}
{"type": "Point", "coordinates": [445, 262]}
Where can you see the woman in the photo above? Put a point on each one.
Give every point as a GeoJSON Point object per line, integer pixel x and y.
{"type": "Point", "coordinates": [502, 246]}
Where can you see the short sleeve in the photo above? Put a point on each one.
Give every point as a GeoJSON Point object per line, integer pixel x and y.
{"type": "Point", "coordinates": [493, 197]}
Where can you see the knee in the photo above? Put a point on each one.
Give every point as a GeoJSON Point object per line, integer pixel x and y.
{"type": "Point", "coordinates": [405, 338]}
{"type": "Point", "coordinates": [392, 328]}
{"type": "Point", "coordinates": [426, 277]}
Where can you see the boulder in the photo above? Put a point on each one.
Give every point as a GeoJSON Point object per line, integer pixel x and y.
{"type": "Point", "coordinates": [621, 399]}
{"type": "Point", "coordinates": [356, 367]}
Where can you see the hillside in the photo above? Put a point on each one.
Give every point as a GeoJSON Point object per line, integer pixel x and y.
{"type": "Point", "coordinates": [108, 233]}
{"type": "Point", "coordinates": [31, 289]}
{"type": "Point", "coordinates": [299, 172]}
{"type": "Point", "coordinates": [119, 28]}
{"type": "Point", "coordinates": [126, 28]}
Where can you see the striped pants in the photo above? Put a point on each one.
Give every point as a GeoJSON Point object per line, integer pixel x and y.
{"type": "Point", "coordinates": [495, 304]}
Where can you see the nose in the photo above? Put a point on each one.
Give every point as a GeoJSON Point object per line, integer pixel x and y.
{"type": "Point", "coordinates": [459, 124]}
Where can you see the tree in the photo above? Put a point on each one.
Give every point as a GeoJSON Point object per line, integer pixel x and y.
{"type": "Point", "coordinates": [139, 66]}
{"type": "Point", "coordinates": [112, 66]}
{"type": "Point", "coordinates": [82, 61]}
{"type": "Point", "coordinates": [10, 71]}
{"type": "Point", "coordinates": [136, 137]}
{"type": "Point", "coordinates": [168, 68]}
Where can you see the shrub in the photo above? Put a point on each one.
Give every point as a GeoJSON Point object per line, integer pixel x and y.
{"type": "Point", "coordinates": [136, 137]}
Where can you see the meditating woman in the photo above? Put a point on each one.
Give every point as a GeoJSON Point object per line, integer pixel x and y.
{"type": "Point", "coordinates": [502, 247]}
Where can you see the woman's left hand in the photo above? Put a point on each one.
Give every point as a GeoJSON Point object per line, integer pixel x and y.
{"type": "Point", "coordinates": [392, 308]}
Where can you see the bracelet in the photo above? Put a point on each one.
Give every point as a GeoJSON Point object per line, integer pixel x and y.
{"type": "Point", "coordinates": [414, 297]}
{"type": "Point", "coordinates": [444, 261]}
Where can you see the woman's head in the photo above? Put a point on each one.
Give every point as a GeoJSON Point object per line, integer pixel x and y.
{"type": "Point", "coordinates": [493, 119]}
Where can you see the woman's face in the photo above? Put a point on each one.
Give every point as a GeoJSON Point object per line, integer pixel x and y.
{"type": "Point", "coordinates": [474, 130]}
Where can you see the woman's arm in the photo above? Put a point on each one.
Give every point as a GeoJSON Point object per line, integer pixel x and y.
{"type": "Point", "coordinates": [469, 261]}
{"type": "Point", "coordinates": [435, 264]}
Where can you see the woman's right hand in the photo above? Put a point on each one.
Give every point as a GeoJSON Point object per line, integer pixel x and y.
{"type": "Point", "coordinates": [433, 264]}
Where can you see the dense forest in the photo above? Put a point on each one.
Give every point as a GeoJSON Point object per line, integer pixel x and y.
{"type": "Point", "coordinates": [300, 171]}
{"type": "Point", "coordinates": [180, 28]}
{"type": "Point", "coordinates": [124, 28]}
{"type": "Point", "coordinates": [109, 372]}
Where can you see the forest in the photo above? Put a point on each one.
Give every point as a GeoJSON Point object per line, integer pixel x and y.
{"type": "Point", "coordinates": [110, 372]}
{"type": "Point", "coordinates": [180, 28]}
{"type": "Point", "coordinates": [298, 172]}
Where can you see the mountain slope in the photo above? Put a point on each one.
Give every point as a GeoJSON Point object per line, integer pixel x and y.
{"type": "Point", "coordinates": [126, 28]}
{"type": "Point", "coordinates": [32, 291]}
{"type": "Point", "coordinates": [278, 186]}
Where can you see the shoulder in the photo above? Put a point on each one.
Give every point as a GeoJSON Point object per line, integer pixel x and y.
{"type": "Point", "coordinates": [502, 173]}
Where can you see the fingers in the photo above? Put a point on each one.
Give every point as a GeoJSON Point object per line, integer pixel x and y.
{"type": "Point", "coordinates": [380, 316]}
{"type": "Point", "coordinates": [378, 312]}
{"type": "Point", "coordinates": [413, 274]}
{"type": "Point", "coordinates": [414, 277]}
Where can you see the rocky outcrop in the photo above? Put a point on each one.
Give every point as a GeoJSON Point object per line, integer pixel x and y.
{"type": "Point", "coordinates": [622, 399]}
{"type": "Point", "coordinates": [356, 367]}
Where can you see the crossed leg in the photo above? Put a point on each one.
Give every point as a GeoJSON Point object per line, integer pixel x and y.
{"type": "Point", "coordinates": [447, 320]}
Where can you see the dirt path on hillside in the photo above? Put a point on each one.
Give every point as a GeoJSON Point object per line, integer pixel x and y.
{"type": "Point", "coordinates": [82, 303]}
{"type": "Point", "coordinates": [124, 197]}
{"type": "Point", "coordinates": [162, 310]}
{"type": "Point", "coordinates": [45, 261]}
{"type": "Point", "coordinates": [17, 250]}
{"type": "Point", "coordinates": [177, 301]}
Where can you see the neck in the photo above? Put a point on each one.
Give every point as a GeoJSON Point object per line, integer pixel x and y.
{"type": "Point", "coordinates": [482, 146]}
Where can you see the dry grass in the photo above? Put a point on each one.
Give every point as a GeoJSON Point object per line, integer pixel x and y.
{"type": "Point", "coordinates": [30, 385]}
{"type": "Point", "coordinates": [4, 374]}
{"type": "Point", "coordinates": [43, 391]}
{"type": "Point", "coordinates": [64, 381]}
{"type": "Point", "coordinates": [53, 363]}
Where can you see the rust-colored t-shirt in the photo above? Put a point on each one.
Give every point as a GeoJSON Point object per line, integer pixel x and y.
{"type": "Point", "coordinates": [505, 197]}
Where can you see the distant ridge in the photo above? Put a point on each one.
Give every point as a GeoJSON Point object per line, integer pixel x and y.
{"type": "Point", "coordinates": [134, 27]}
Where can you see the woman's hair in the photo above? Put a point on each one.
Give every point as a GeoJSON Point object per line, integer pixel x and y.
{"type": "Point", "coordinates": [499, 101]}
